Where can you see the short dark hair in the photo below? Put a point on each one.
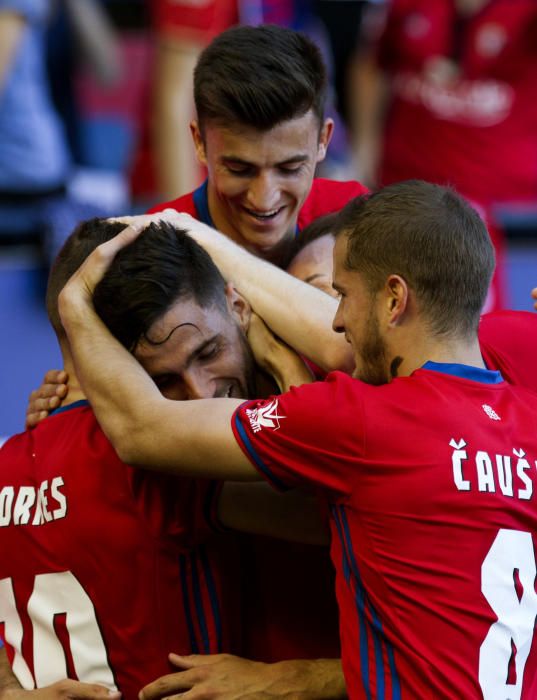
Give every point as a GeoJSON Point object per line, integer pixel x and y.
{"type": "Point", "coordinates": [259, 77]}
{"type": "Point", "coordinates": [145, 279]}
{"type": "Point", "coordinates": [430, 236]}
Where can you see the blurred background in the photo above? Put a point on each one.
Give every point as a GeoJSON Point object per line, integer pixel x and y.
{"type": "Point", "coordinates": [95, 102]}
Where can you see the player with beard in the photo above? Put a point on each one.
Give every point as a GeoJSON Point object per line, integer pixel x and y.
{"type": "Point", "coordinates": [424, 524]}
{"type": "Point", "coordinates": [167, 303]}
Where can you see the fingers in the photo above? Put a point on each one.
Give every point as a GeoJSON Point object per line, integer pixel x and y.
{"type": "Point", "coordinates": [34, 418]}
{"type": "Point", "coordinates": [165, 686]}
{"type": "Point", "coordinates": [55, 376]}
{"type": "Point", "coordinates": [82, 284]}
{"type": "Point", "coordinates": [195, 660]}
{"type": "Point", "coordinates": [75, 690]}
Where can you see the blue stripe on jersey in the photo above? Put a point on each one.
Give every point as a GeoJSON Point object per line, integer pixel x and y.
{"type": "Point", "coordinates": [361, 602]}
{"type": "Point", "coordinates": [256, 458]}
{"type": "Point", "coordinates": [475, 374]}
{"type": "Point", "coordinates": [198, 602]}
{"type": "Point", "coordinates": [363, 635]}
{"type": "Point", "coordinates": [213, 596]}
{"type": "Point", "coordinates": [186, 604]}
{"type": "Point", "coordinates": [201, 202]}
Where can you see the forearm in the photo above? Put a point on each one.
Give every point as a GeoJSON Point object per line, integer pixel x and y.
{"type": "Point", "coordinates": [145, 428]}
{"type": "Point", "coordinates": [319, 679]}
{"type": "Point", "coordinates": [259, 509]}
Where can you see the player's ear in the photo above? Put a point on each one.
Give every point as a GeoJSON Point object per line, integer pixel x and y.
{"type": "Point", "coordinates": [324, 139]}
{"type": "Point", "coordinates": [396, 299]}
{"type": "Point", "coordinates": [199, 143]}
{"type": "Point", "coordinates": [238, 307]}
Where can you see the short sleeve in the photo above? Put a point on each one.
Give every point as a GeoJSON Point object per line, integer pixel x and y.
{"type": "Point", "coordinates": [309, 436]}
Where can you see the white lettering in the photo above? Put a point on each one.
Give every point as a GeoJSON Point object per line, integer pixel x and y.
{"type": "Point", "coordinates": [7, 495]}
{"type": "Point", "coordinates": [459, 455]}
{"type": "Point", "coordinates": [59, 496]}
{"type": "Point", "coordinates": [485, 476]}
{"type": "Point", "coordinates": [25, 500]}
{"type": "Point", "coordinates": [505, 475]}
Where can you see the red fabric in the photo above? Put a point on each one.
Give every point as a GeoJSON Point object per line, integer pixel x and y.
{"type": "Point", "coordinates": [128, 542]}
{"type": "Point", "coordinates": [508, 340]}
{"type": "Point", "coordinates": [196, 20]}
{"type": "Point", "coordinates": [479, 131]}
{"type": "Point", "coordinates": [288, 603]}
{"type": "Point", "coordinates": [408, 540]}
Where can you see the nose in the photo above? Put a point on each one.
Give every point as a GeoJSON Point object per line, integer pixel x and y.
{"type": "Point", "coordinates": [337, 323]}
{"type": "Point", "coordinates": [263, 192]}
{"type": "Point", "coordinates": [197, 385]}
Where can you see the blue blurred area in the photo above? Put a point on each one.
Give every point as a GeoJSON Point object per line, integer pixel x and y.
{"type": "Point", "coordinates": [29, 345]}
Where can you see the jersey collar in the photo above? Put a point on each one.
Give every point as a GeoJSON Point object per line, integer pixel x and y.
{"type": "Point", "coordinates": [475, 374]}
{"type": "Point", "coordinates": [75, 404]}
{"type": "Point", "coordinates": [201, 202]}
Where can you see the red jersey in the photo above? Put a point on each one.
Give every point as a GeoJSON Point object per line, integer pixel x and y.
{"type": "Point", "coordinates": [325, 197]}
{"type": "Point", "coordinates": [104, 570]}
{"type": "Point", "coordinates": [508, 340]}
{"type": "Point", "coordinates": [293, 615]}
{"type": "Point", "coordinates": [431, 480]}
{"type": "Point", "coordinates": [474, 127]}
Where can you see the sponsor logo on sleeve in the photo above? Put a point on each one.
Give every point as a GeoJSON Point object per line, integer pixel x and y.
{"type": "Point", "coordinates": [265, 416]}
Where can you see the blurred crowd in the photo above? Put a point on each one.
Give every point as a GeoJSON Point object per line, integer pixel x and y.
{"type": "Point", "coordinates": [96, 101]}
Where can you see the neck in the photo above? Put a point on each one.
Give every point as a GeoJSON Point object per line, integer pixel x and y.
{"type": "Point", "coordinates": [418, 351]}
{"type": "Point", "coordinates": [74, 389]}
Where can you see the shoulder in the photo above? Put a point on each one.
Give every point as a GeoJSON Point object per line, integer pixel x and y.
{"type": "Point", "coordinates": [327, 196]}
{"type": "Point", "coordinates": [185, 203]}
{"type": "Point", "coordinates": [507, 340]}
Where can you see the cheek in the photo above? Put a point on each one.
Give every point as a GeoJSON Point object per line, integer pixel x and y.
{"type": "Point", "coordinates": [228, 186]}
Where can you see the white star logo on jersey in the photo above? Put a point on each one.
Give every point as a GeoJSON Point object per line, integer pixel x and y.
{"type": "Point", "coordinates": [264, 416]}
{"type": "Point", "coordinates": [491, 413]}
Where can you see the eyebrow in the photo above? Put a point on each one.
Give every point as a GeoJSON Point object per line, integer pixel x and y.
{"type": "Point", "coordinates": [200, 348]}
{"type": "Point", "coordinates": [310, 279]}
{"type": "Point", "coordinates": [298, 158]}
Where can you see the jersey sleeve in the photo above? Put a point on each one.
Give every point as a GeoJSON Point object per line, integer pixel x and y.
{"type": "Point", "coordinates": [309, 436]}
{"type": "Point", "coordinates": [182, 204]}
{"type": "Point", "coordinates": [508, 340]}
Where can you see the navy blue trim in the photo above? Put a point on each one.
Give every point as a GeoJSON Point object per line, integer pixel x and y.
{"type": "Point", "coordinates": [475, 374]}
{"type": "Point", "coordinates": [363, 641]}
{"type": "Point", "coordinates": [213, 596]}
{"type": "Point", "coordinates": [186, 604]}
{"type": "Point", "coordinates": [198, 602]}
{"type": "Point", "coordinates": [75, 404]}
{"type": "Point", "coordinates": [256, 458]}
{"type": "Point", "coordinates": [362, 601]}
{"type": "Point", "coordinates": [201, 202]}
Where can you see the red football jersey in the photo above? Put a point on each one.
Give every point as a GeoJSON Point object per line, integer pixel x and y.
{"type": "Point", "coordinates": [431, 480]}
{"type": "Point", "coordinates": [508, 340]}
{"type": "Point", "coordinates": [325, 197]}
{"type": "Point", "coordinates": [288, 606]}
{"type": "Point", "coordinates": [475, 125]}
{"type": "Point", "coordinates": [104, 569]}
